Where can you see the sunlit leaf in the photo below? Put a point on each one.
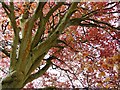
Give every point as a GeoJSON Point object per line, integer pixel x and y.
{"type": "Point", "coordinates": [101, 74]}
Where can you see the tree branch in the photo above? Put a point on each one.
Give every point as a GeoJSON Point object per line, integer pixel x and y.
{"type": "Point", "coordinates": [12, 18]}
{"type": "Point", "coordinates": [78, 21]}
{"type": "Point", "coordinates": [3, 71]}
{"type": "Point", "coordinates": [52, 10]}
{"type": "Point", "coordinates": [5, 51]}
{"type": "Point", "coordinates": [39, 73]}
{"type": "Point", "coordinates": [75, 21]}
{"type": "Point", "coordinates": [10, 12]}
{"type": "Point", "coordinates": [38, 11]}
{"type": "Point", "coordinates": [4, 27]}
{"type": "Point", "coordinates": [6, 8]}
{"type": "Point", "coordinates": [112, 6]}
{"type": "Point", "coordinates": [70, 80]}
{"type": "Point", "coordinates": [39, 33]}
{"type": "Point", "coordinates": [51, 40]}
{"type": "Point", "coordinates": [42, 24]}
{"type": "Point", "coordinates": [41, 50]}
{"type": "Point", "coordinates": [70, 73]}
{"type": "Point", "coordinates": [63, 42]}
{"type": "Point", "coordinates": [25, 47]}
{"type": "Point", "coordinates": [105, 23]}
{"type": "Point", "coordinates": [31, 66]}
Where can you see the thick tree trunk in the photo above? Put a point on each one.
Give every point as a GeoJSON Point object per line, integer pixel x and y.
{"type": "Point", "coordinates": [12, 80]}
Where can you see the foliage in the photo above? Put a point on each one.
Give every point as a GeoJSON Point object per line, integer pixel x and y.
{"type": "Point", "coordinates": [78, 40]}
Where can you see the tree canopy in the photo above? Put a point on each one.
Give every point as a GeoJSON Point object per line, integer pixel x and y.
{"type": "Point", "coordinates": [80, 40]}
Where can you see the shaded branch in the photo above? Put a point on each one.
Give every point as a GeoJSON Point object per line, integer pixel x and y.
{"type": "Point", "coordinates": [110, 4]}
{"type": "Point", "coordinates": [25, 47]}
{"type": "Point", "coordinates": [39, 33]}
{"type": "Point", "coordinates": [6, 8]}
{"type": "Point", "coordinates": [39, 72]}
{"type": "Point", "coordinates": [43, 21]}
{"type": "Point", "coordinates": [4, 27]}
{"type": "Point", "coordinates": [12, 19]}
{"type": "Point", "coordinates": [105, 23]}
{"type": "Point", "coordinates": [51, 40]}
{"type": "Point", "coordinates": [40, 30]}
{"type": "Point", "coordinates": [70, 80]}
{"type": "Point", "coordinates": [31, 66]}
{"type": "Point", "coordinates": [5, 51]}
{"type": "Point", "coordinates": [10, 12]}
{"type": "Point", "coordinates": [75, 21]}
{"type": "Point", "coordinates": [38, 11]}
{"type": "Point", "coordinates": [52, 10]}
{"type": "Point", "coordinates": [3, 71]}
{"type": "Point", "coordinates": [63, 42]}
{"type": "Point", "coordinates": [54, 57]}
{"type": "Point", "coordinates": [78, 21]}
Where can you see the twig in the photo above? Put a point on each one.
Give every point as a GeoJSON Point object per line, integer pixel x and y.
{"type": "Point", "coordinates": [3, 71]}
{"type": "Point", "coordinates": [4, 27]}
{"type": "Point", "coordinates": [69, 72]}
{"type": "Point", "coordinates": [5, 51]}
{"type": "Point", "coordinates": [70, 79]}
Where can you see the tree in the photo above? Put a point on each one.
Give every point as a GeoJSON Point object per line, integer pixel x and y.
{"type": "Point", "coordinates": [78, 38]}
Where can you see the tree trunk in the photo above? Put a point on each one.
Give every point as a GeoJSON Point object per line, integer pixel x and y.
{"type": "Point", "coordinates": [12, 80]}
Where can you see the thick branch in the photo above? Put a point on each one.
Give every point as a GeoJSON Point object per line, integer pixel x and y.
{"type": "Point", "coordinates": [52, 10]}
{"type": "Point", "coordinates": [32, 65]}
{"type": "Point", "coordinates": [10, 12]}
{"type": "Point", "coordinates": [46, 45]}
{"type": "Point", "coordinates": [41, 27]}
{"type": "Point", "coordinates": [77, 21]}
{"type": "Point", "coordinates": [38, 12]}
{"type": "Point", "coordinates": [42, 24]}
{"type": "Point", "coordinates": [12, 18]}
{"type": "Point", "coordinates": [27, 38]}
{"type": "Point", "coordinates": [39, 73]}
{"type": "Point", "coordinates": [39, 33]}
{"type": "Point", "coordinates": [43, 47]}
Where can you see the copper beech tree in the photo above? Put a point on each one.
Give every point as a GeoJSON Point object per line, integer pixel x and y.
{"type": "Point", "coordinates": [80, 39]}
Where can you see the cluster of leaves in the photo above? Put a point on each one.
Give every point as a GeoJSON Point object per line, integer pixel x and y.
{"type": "Point", "coordinates": [87, 50]}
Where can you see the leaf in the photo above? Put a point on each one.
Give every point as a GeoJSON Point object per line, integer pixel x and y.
{"type": "Point", "coordinates": [99, 85]}
{"type": "Point", "coordinates": [85, 54]}
{"type": "Point", "coordinates": [107, 79]}
{"type": "Point", "coordinates": [101, 74]}
{"type": "Point", "coordinates": [105, 66]}
{"type": "Point", "coordinates": [107, 86]}
{"type": "Point", "coordinates": [116, 67]}
{"type": "Point", "coordinates": [90, 69]}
